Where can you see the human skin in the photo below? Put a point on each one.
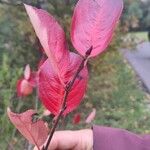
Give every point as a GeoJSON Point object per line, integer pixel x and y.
{"type": "Point", "coordinates": [72, 140]}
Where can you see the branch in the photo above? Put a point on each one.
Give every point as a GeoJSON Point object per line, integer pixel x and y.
{"type": "Point", "coordinates": [67, 2]}
{"type": "Point", "coordinates": [67, 91]}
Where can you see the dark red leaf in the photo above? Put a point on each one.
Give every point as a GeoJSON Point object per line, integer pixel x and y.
{"type": "Point", "coordinates": [77, 118]}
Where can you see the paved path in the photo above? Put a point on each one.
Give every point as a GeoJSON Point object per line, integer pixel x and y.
{"type": "Point", "coordinates": [140, 61]}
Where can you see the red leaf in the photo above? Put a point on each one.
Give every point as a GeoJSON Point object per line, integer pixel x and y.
{"type": "Point", "coordinates": [76, 118]}
{"type": "Point", "coordinates": [19, 88]}
{"type": "Point", "coordinates": [93, 24]}
{"type": "Point", "coordinates": [91, 116]}
{"type": "Point", "coordinates": [33, 79]}
{"type": "Point", "coordinates": [27, 72]}
{"type": "Point", "coordinates": [51, 90]}
{"type": "Point", "coordinates": [26, 84]}
{"type": "Point", "coordinates": [51, 36]}
{"type": "Point", "coordinates": [36, 132]}
{"type": "Point", "coordinates": [24, 88]}
{"type": "Point", "coordinates": [43, 59]}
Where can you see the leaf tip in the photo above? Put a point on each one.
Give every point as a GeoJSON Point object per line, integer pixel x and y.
{"type": "Point", "coordinates": [25, 5]}
{"type": "Point", "coordinates": [28, 8]}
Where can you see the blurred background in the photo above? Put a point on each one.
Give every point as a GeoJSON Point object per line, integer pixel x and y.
{"type": "Point", "coordinates": [116, 88]}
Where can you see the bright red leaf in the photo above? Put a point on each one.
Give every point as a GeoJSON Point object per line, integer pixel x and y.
{"type": "Point", "coordinates": [51, 90]}
{"type": "Point", "coordinates": [93, 24]}
{"type": "Point", "coordinates": [35, 132]}
{"type": "Point", "coordinates": [51, 36]}
{"type": "Point", "coordinates": [77, 118]}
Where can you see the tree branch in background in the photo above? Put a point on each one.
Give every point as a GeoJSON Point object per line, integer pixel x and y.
{"type": "Point", "coordinates": [20, 2]}
{"type": "Point", "coordinates": [67, 2]}
{"type": "Point", "coordinates": [8, 3]}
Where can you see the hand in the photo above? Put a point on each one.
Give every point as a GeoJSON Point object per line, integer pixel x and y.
{"type": "Point", "coordinates": [72, 140]}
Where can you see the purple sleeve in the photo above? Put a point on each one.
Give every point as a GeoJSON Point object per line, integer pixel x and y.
{"type": "Point", "coordinates": [118, 139]}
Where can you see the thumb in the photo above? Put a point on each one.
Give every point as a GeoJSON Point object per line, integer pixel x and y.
{"type": "Point", "coordinates": [58, 141]}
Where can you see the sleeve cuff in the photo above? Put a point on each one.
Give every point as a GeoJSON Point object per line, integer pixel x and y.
{"type": "Point", "coordinates": [105, 138]}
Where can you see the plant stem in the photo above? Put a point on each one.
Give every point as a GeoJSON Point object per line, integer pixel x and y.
{"type": "Point", "coordinates": [36, 100]}
{"type": "Point", "coordinates": [67, 91]}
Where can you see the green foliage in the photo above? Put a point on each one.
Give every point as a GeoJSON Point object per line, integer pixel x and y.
{"type": "Point", "coordinates": [8, 77]}
{"type": "Point", "coordinates": [146, 9]}
{"type": "Point", "coordinates": [8, 98]}
{"type": "Point", "coordinates": [136, 15]}
{"type": "Point", "coordinates": [17, 37]}
{"type": "Point", "coordinates": [140, 36]}
{"type": "Point", "coordinates": [116, 95]}
{"type": "Point", "coordinates": [132, 13]}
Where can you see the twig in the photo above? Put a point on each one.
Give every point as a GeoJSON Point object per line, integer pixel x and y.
{"type": "Point", "coordinates": [67, 91]}
{"type": "Point", "coordinates": [36, 100]}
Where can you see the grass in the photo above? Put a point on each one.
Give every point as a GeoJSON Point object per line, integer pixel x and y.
{"type": "Point", "coordinates": [142, 36]}
{"type": "Point", "coordinates": [122, 101]}
{"type": "Point", "coordinates": [132, 39]}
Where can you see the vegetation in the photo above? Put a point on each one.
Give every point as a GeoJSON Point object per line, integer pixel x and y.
{"type": "Point", "coordinates": [136, 15]}
{"type": "Point", "coordinates": [142, 36]}
{"type": "Point", "coordinates": [113, 88]}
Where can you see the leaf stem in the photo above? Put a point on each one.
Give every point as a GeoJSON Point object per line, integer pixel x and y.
{"type": "Point", "coordinates": [67, 91]}
{"type": "Point", "coordinates": [36, 100]}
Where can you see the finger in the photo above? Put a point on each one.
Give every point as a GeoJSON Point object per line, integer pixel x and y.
{"type": "Point", "coordinates": [74, 140]}
{"type": "Point", "coordinates": [62, 140]}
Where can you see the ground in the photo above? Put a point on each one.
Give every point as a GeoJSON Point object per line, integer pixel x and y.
{"type": "Point", "coordinates": [140, 61]}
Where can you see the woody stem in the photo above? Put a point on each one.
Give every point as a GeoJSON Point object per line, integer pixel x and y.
{"type": "Point", "coordinates": [67, 91]}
